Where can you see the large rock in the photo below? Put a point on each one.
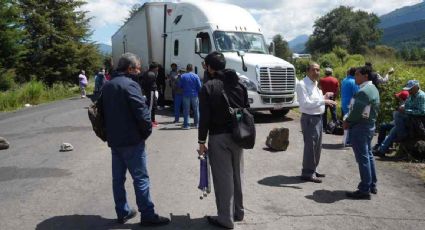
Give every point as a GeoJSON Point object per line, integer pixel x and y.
{"type": "Point", "coordinates": [278, 139]}
{"type": "Point", "coordinates": [3, 143]}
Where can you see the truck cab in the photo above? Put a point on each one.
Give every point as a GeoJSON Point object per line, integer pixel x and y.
{"type": "Point", "coordinates": [192, 29]}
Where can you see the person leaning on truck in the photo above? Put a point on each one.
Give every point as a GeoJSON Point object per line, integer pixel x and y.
{"type": "Point", "coordinates": [128, 125]}
{"type": "Point", "coordinates": [149, 87]}
{"type": "Point", "coordinates": [312, 105]}
{"type": "Point", "coordinates": [226, 157]}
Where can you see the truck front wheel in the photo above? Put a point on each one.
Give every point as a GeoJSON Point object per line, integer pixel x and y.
{"type": "Point", "coordinates": [279, 113]}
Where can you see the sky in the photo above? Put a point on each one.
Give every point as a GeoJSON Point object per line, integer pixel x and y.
{"type": "Point", "coordinates": [289, 18]}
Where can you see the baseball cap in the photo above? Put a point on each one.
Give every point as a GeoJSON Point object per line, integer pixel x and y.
{"type": "Point", "coordinates": [410, 84]}
{"type": "Point", "coordinates": [403, 95]}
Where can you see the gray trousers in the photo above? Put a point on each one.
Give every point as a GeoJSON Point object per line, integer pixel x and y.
{"type": "Point", "coordinates": [226, 159]}
{"type": "Point", "coordinates": [312, 128]}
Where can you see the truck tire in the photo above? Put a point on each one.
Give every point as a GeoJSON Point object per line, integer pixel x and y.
{"type": "Point", "coordinates": [279, 113]}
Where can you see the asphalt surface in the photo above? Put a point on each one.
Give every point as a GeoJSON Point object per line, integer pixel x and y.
{"type": "Point", "coordinates": [43, 188]}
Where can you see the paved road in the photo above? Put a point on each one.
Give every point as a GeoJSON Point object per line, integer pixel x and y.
{"type": "Point", "coordinates": [42, 188]}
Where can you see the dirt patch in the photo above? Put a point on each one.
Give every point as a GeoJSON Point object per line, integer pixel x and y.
{"type": "Point", "coordinates": [416, 169]}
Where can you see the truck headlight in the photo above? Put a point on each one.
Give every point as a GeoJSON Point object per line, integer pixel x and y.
{"type": "Point", "coordinates": [250, 85]}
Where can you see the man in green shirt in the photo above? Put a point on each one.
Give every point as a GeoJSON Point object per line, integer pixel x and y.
{"type": "Point", "coordinates": [360, 123]}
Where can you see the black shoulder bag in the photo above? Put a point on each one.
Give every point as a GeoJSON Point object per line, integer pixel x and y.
{"type": "Point", "coordinates": [242, 125]}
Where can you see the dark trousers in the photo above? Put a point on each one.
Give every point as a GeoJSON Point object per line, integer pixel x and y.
{"type": "Point", "coordinates": [227, 167]}
{"type": "Point", "coordinates": [332, 109]}
{"type": "Point", "coordinates": [311, 126]}
{"type": "Point", "coordinates": [161, 97]}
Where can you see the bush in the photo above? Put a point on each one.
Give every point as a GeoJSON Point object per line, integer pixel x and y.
{"type": "Point", "coordinates": [35, 92]}
{"type": "Point", "coordinates": [329, 60]}
{"type": "Point", "coordinates": [7, 79]}
{"type": "Point", "coordinates": [301, 67]}
{"type": "Point", "coordinates": [31, 92]}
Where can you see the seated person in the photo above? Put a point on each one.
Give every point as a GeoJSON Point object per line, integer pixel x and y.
{"type": "Point", "coordinates": [414, 106]}
{"type": "Point", "coordinates": [386, 127]}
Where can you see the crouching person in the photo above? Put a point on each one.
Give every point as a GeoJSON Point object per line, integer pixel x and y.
{"type": "Point", "coordinates": [128, 125]}
{"type": "Point", "coordinates": [226, 157]}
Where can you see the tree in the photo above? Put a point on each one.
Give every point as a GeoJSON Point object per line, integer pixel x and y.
{"type": "Point", "coordinates": [134, 9]}
{"type": "Point", "coordinates": [12, 49]}
{"type": "Point", "coordinates": [281, 47]}
{"type": "Point", "coordinates": [341, 53]}
{"type": "Point", "coordinates": [354, 31]}
{"type": "Point", "coordinates": [58, 42]}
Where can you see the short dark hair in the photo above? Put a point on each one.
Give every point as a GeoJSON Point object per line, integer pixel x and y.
{"type": "Point", "coordinates": [173, 64]}
{"type": "Point", "coordinates": [352, 71]}
{"type": "Point", "coordinates": [215, 60]}
{"type": "Point", "coordinates": [189, 67]}
{"type": "Point", "coordinates": [153, 65]}
{"type": "Point", "coordinates": [368, 64]}
{"type": "Point", "coordinates": [127, 60]}
{"type": "Point", "coordinates": [365, 70]}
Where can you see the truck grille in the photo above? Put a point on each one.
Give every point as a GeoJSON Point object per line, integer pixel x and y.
{"type": "Point", "coordinates": [277, 80]}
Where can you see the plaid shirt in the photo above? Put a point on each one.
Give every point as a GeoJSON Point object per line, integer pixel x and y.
{"type": "Point", "coordinates": [415, 104]}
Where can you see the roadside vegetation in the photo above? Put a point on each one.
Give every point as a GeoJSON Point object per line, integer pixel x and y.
{"type": "Point", "coordinates": [36, 92]}
{"type": "Point", "coordinates": [44, 45]}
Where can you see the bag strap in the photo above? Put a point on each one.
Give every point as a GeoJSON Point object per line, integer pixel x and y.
{"type": "Point", "coordinates": [231, 110]}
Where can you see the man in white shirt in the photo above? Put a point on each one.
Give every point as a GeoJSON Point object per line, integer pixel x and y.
{"type": "Point", "coordinates": [312, 105]}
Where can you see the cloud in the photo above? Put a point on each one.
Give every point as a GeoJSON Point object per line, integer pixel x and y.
{"type": "Point", "coordinates": [293, 18]}
{"type": "Point", "coordinates": [108, 12]}
{"type": "Point", "coordinates": [287, 17]}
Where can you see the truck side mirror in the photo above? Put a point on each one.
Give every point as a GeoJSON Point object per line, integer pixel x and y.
{"type": "Point", "coordinates": [272, 48]}
{"type": "Point", "coordinates": [198, 45]}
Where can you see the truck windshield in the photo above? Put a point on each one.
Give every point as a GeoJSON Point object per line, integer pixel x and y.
{"type": "Point", "coordinates": [234, 41]}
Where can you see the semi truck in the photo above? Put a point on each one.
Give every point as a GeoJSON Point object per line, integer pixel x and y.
{"type": "Point", "coordinates": [185, 32]}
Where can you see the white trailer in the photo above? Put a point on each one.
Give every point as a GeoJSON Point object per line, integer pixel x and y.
{"type": "Point", "coordinates": [185, 32]}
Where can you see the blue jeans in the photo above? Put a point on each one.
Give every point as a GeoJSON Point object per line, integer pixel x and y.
{"type": "Point", "coordinates": [399, 131]}
{"type": "Point", "coordinates": [384, 128]}
{"type": "Point", "coordinates": [188, 102]}
{"type": "Point", "coordinates": [132, 158]}
{"type": "Point", "coordinates": [361, 137]}
{"type": "Point", "coordinates": [400, 120]}
{"type": "Point", "coordinates": [178, 99]}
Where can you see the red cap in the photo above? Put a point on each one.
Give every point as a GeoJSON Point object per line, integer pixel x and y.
{"type": "Point", "coordinates": [403, 95]}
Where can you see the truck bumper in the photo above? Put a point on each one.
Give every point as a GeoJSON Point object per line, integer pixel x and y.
{"type": "Point", "coordinates": [271, 102]}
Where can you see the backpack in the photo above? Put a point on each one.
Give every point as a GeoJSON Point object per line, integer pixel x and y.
{"type": "Point", "coordinates": [96, 117]}
{"type": "Point", "coordinates": [278, 139]}
{"type": "Point", "coordinates": [335, 128]}
{"type": "Point", "coordinates": [242, 125]}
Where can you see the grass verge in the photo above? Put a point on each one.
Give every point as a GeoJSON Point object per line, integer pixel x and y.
{"type": "Point", "coordinates": [34, 93]}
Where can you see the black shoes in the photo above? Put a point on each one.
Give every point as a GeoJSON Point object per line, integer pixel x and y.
{"type": "Point", "coordinates": [214, 221]}
{"type": "Point", "coordinates": [357, 195]}
{"type": "Point", "coordinates": [374, 191]}
{"type": "Point", "coordinates": [320, 175]}
{"type": "Point", "coordinates": [124, 219]}
{"type": "Point", "coordinates": [156, 221]}
{"type": "Point", "coordinates": [238, 218]}
{"type": "Point", "coordinates": [378, 153]}
{"type": "Point", "coordinates": [311, 179]}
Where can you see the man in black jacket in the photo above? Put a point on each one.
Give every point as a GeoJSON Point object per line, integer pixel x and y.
{"type": "Point", "coordinates": [226, 157]}
{"type": "Point", "coordinates": [128, 125]}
